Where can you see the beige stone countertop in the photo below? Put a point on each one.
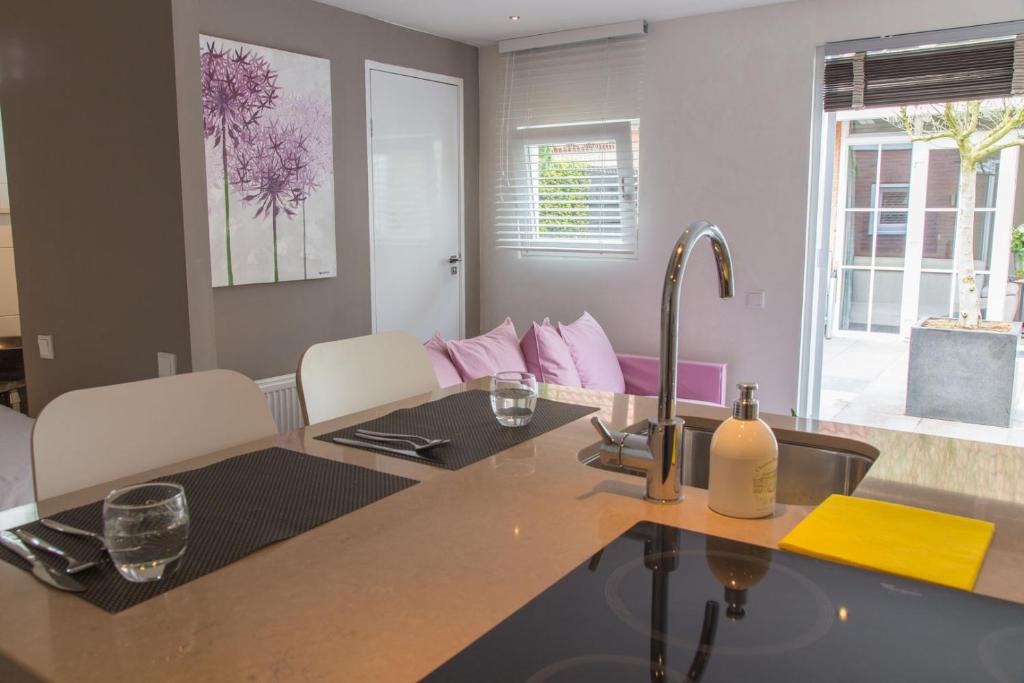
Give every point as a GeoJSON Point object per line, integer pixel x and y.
{"type": "Point", "coordinates": [391, 591]}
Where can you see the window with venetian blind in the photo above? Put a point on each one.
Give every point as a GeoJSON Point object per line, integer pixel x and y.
{"type": "Point", "coordinates": [568, 173]}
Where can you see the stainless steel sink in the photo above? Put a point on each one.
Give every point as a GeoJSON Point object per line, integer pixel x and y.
{"type": "Point", "coordinates": [808, 473]}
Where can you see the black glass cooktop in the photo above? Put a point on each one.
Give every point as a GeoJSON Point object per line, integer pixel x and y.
{"type": "Point", "coordinates": [662, 604]}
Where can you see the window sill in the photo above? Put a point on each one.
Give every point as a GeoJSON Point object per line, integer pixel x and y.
{"type": "Point", "coordinates": [568, 253]}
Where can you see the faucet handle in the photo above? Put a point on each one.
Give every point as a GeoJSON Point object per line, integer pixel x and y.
{"type": "Point", "coordinates": [599, 426]}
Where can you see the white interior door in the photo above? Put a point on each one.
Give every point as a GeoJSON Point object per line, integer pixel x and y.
{"type": "Point", "coordinates": [415, 165]}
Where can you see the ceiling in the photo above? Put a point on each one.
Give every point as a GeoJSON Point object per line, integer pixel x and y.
{"type": "Point", "coordinates": [484, 22]}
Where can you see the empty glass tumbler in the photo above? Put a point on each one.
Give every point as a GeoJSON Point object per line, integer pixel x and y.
{"type": "Point", "coordinates": [513, 397]}
{"type": "Point", "coordinates": [146, 528]}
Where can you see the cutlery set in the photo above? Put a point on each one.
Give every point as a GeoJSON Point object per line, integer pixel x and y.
{"type": "Point", "coordinates": [416, 446]}
{"type": "Point", "coordinates": [23, 544]}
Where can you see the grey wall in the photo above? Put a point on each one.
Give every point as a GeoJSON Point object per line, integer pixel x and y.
{"type": "Point", "coordinates": [725, 136]}
{"type": "Point", "coordinates": [261, 330]}
{"type": "Point", "coordinates": [87, 92]}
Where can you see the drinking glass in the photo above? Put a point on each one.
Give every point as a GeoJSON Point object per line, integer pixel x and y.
{"type": "Point", "coordinates": [513, 397]}
{"type": "Point", "coordinates": [146, 528]}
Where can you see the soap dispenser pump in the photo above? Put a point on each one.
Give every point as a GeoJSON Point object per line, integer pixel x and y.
{"type": "Point", "coordinates": [744, 462]}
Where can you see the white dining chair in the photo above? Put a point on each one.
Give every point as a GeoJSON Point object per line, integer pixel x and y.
{"type": "Point", "coordinates": [342, 377]}
{"type": "Point", "coordinates": [90, 436]}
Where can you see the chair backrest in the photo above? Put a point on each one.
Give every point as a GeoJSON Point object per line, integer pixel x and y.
{"type": "Point", "coordinates": [90, 436]}
{"type": "Point", "coordinates": [342, 377]}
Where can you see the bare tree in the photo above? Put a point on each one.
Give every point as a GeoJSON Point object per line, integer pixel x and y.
{"type": "Point", "coordinates": [978, 130]}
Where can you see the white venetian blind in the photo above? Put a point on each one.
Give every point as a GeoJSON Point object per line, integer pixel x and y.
{"type": "Point", "coordinates": [569, 158]}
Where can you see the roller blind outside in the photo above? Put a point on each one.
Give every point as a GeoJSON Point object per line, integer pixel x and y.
{"type": "Point", "coordinates": [569, 158]}
{"type": "Point", "coordinates": [939, 74]}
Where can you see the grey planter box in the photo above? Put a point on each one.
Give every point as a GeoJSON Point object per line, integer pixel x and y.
{"type": "Point", "coordinates": [962, 375]}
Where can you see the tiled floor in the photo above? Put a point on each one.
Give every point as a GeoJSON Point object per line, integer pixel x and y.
{"type": "Point", "coordinates": [864, 382]}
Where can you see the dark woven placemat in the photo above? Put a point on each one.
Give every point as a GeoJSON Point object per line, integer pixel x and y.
{"type": "Point", "coordinates": [465, 418]}
{"type": "Point", "coordinates": [237, 506]}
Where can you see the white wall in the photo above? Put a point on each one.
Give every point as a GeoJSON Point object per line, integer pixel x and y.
{"type": "Point", "coordinates": [725, 136]}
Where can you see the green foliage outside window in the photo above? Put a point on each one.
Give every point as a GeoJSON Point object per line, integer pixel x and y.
{"type": "Point", "coordinates": [563, 193]}
{"type": "Point", "coordinates": [1017, 243]}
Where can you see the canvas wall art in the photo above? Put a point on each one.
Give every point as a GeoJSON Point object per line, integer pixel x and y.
{"type": "Point", "coordinates": [269, 163]}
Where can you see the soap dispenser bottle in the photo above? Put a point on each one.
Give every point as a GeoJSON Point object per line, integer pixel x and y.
{"type": "Point", "coordinates": [744, 462]}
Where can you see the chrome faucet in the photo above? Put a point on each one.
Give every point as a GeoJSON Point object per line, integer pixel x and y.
{"type": "Point", "coordinates": [660, 453]}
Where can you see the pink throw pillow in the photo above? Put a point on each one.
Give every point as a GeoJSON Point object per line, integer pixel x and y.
{"type": "Point", "coordinates": [446, 372]}
{"type": "Point", "coordinates": [595, 359]}
{"type": "Point", "coordinates": [548, 357]}
{"type": "Point", "coordinates": [488, 354]}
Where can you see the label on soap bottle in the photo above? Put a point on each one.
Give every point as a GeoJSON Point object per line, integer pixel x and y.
{"type": "Point", "coordinates": [765, 479]}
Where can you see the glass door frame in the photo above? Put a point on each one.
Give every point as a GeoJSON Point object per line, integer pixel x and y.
{"type": "Point", "coordinates": [817, 309]}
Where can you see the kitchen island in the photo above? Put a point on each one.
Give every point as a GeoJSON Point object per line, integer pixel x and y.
{"type": "Point", "coordinates": [393, 590]}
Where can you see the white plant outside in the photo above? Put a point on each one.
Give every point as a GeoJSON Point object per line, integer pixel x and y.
{"type": "Point", "coordinates": [978, 129]}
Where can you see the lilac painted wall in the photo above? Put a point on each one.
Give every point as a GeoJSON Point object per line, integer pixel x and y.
{"type": "Point", "coordinates": [725, 136]}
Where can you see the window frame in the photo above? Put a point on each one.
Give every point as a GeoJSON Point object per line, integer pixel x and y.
{"type": "Point", "coordinates": [621, 132]}
{"type": "Point", "coordinates": [879, 208]}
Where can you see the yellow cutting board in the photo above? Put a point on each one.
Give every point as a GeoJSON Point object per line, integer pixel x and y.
{"type": "Point", "coordinates": [919, 544]}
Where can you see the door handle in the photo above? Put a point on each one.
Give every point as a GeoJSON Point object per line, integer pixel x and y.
{"type": "Point", "coordinates": [454, 259]}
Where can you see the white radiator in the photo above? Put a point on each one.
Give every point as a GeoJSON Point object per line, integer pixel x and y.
{"type": "Point", "coordinates": [283, 398]}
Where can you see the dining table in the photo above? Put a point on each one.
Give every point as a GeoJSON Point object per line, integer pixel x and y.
{"type": "Point", "coordinates": [394, 589]}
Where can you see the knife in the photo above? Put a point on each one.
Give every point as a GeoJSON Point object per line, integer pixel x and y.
{"type": "Point", "coordinates": [378, 447]}
{"type": "Point", "coordinates": [74, 531]}
{"type": "Point", "coordinates": [44, 573]}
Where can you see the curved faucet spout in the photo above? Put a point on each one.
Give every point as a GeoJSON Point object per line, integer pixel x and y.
{"type": "Point", "coordinates": [670, 304]}
{"type": "Point", "coordinates": [665, 433]}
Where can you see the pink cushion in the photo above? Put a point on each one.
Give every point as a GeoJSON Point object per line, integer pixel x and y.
{"type": "Point", "coordinates": [437, 349]}
{"type": "Point", "coordinates": [593, 354]}
{"type": "Point", "coordinates": [488, 354]}
{"type": "Point", "coordinates": [696, 381]}
{"type": "Point", "coordinates": [547, 356]}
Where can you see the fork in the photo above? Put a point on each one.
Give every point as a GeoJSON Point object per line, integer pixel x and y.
{"type": "Point", "coordinates": [74, 565]}
{"type": "Point", "coordinates": [416, 442]}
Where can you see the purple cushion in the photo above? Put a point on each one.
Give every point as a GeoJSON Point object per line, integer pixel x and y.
{"type": "Point", "coordinates": [593, 354]}
{"type": "Point", "coordinates": [547, 356]}
{"type": "Point", "coordinates": [437, 349]}
{"type": "Point", "coordinates": [488, 354]}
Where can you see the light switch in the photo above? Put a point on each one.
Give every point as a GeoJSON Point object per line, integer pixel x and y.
{"type": "Point", "coordinates": [166, 364]}
{"type": "Point", "coordinates": [46, 346]}
{"type": "Point", "coordinates": [755, 298]}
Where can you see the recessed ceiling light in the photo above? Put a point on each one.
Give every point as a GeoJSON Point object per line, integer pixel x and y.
{"type": "Point", "coordinates": [513, 17]}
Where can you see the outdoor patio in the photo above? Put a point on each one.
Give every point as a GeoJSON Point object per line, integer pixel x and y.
{"type": "Point", "coordinates": [864, 380]}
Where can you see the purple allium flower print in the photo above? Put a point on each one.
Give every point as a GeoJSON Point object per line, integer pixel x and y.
{"type": "Point", "coordinates": [270, 171]}
{"type": "Point", "coordinates": [311, 116]}
{"type": "Point", "coordinates": [238, 87]}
